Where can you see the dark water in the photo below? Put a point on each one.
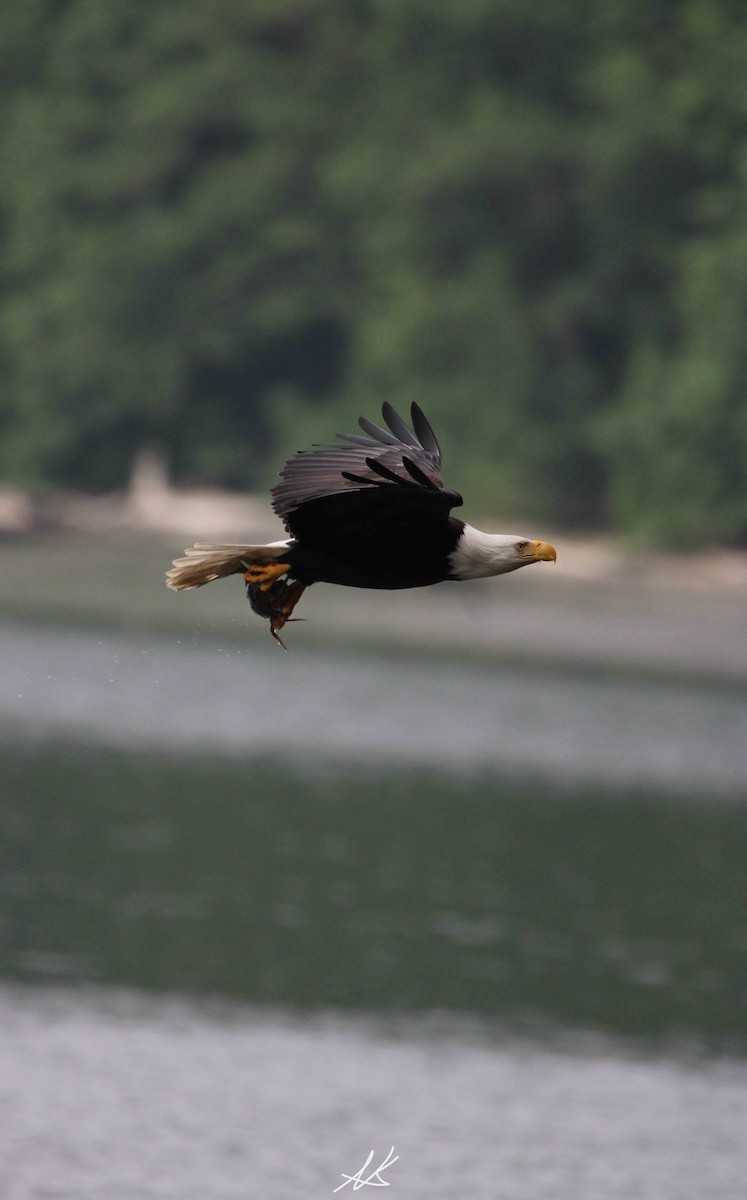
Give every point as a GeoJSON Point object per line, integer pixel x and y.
{"type": "Point", "coordinates": [373, 890]}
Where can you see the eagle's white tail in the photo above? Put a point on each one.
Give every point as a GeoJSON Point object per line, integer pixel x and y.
{"type": "Point", "coordinates": [202, 563]}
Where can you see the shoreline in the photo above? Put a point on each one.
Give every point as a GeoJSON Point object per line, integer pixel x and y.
{"type": "Point", "coordinates": [601, 609]}
{"type": "Point", "coordinates": [152, 506]}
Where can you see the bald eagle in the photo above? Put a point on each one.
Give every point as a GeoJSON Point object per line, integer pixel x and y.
{"type": "Point", "coordinates": [367, 512]}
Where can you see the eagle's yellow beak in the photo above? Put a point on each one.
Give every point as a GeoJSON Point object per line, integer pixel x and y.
{"type": "Point", "coordinates": [538, 552]}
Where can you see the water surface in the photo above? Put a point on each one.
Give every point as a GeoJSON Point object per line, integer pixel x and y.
{"type": "Point", "coordinates": [112, 1095]}
{"type": "Point", "coordinates": [559, 725]}
{"type": "Point", "coordinates": [376, 890]}
{"type": "Point", "coordinates": [263, 914]}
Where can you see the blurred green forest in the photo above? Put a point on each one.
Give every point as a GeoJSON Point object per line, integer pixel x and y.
{"type": "Point", "coordinates": [227, 227]}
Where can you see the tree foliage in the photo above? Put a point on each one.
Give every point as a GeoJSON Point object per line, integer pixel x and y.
{"type": "Point", "coordinates": [229, 227]}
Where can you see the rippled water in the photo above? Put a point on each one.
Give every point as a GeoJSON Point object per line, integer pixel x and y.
{"type": "Point", "coordinates": [562, 726]}
{"type": "Point", "coordinates": [111, 1096]}
{"type": "Point", "coordinates": [374, 890]}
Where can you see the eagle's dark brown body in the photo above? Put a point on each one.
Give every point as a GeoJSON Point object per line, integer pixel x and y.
{"type": "Point", "coordinates": [391, 557]}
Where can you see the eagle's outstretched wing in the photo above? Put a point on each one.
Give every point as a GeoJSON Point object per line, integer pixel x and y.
{"type": "Point", "coordinates": [382, 477]}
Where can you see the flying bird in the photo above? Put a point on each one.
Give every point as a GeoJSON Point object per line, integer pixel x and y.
{"type": "Point", "coordinates": [364, 512]}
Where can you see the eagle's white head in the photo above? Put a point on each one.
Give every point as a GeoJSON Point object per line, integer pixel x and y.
{"type": "Point", "coordinates": [479, 555]}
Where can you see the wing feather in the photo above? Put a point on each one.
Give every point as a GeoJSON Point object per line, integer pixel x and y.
{"type": "Point", "coordinates": [377, 433]}
{"type": "Point", "coordinates": [418, 475]}
{"type": "Point", "coordinates": [425, 434]}
{"type": "Point", "coordinates": [363, 478]}
{"type": "Point", "coordinates": [398, 427]}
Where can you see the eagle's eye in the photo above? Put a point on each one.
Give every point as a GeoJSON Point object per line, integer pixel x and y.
{"type": "Point", "coordinates": [521, 546]}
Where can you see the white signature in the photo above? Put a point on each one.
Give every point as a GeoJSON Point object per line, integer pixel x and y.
{"type": "Point", "coordinates": [359, 1180]}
